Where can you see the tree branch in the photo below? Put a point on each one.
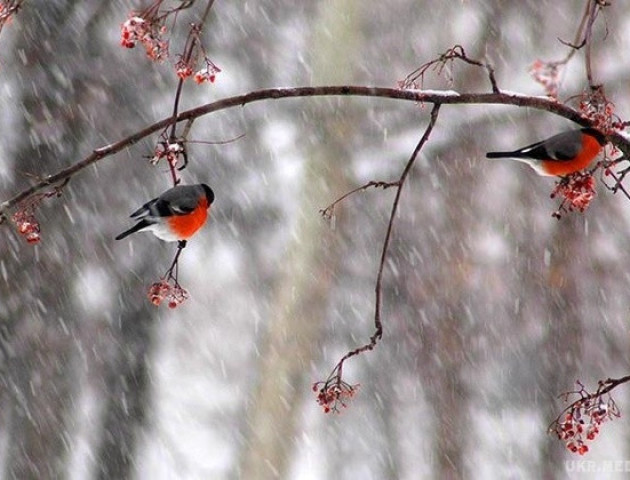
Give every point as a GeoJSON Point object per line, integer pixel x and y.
{"type": "Point", "coordinates": [417, 96]}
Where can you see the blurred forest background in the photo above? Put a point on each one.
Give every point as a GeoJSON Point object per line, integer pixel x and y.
{"type": "Point", "coordinates": [491, 308]}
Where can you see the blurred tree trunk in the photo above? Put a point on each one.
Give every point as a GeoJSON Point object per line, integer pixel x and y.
{"type": "Point", "coordinates": [126, 391]}
{"type": "Point", "coordinates": [561, 350]}
{"type": "Point", "coordinates": [40, 394]}
{"type": "Point", "coordinates": [301, 300]}
{"type": "Point", "coordinates": [445, 349]}
{"type": "Point", "coordinates": [38, 374]}
{"type": "Point", "coordinates": [49, 343]}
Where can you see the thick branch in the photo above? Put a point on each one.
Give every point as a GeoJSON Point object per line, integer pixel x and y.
{"type": "Point", "coordinates": [418, 96]}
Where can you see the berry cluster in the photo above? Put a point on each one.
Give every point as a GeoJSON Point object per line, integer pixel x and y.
{"type": "Point", "coordinates": [149, 27]}
{"type": "Point", "coordinates": [148, 33]}
{"type": "Point", "coordinates": [548, 75]}
{"type": "Point", "coordinates": [576, 190]}
{"type": "Point", "coordinates": [185, 70]}
{"type": "Point", "coordinates": [334, 394]}
{"type": "Point", "coordinates": [161, 291]}
{"type": "Point", "coordinates": [24, 217]}
{"type": "Point", "coordinates": [27, 225]}
{"type": "Point", "coordinates": [575, 432]}
{"type": "Point", "coordinates": [208, 73]}
{"type": "Point", "coordinates": [596, 107]}
{"type": "Point", "coordinates": [582, 420]}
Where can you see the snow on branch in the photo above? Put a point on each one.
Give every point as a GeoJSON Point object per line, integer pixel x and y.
{"type": "Point", "coordinates": [410, 95]}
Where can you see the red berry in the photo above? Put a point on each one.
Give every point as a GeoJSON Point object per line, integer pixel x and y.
{"type": "Point", "coordinates": [33, 237]}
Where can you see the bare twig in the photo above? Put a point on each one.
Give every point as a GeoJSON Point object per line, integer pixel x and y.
{"type": "Point", "coordinates": [378, 289]}
{"type": "Point", "coordinates": [583, 37]}
{"type": "Point", "coordinates": [328, 211]}
{"type": "Point", "coordinates": [192, 43]}
{"type": "Point", "coordinates": [218, 142]}
{"type": "Point", "coordinates": [547, 73]}
{"type": "Point", "coordinates": [155, 14]}
{"type": "Point", "coordinates": [401, 182]}
{"type": "Point", "coordinates": [579, 40]}
{"type": "Point", "coordinates": [455, 53]}
{"type": "Point", "coordinates": [618, 185]}
{"type": "Point", "coordinates": [594, 8]}
{"type": "Point", "coordinates": [173, 271]}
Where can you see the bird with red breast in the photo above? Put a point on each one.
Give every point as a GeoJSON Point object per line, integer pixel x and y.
{"type": "Point", "coordinates": [176, 215]}
{"type": "Point", "coordinates": [560, 155]}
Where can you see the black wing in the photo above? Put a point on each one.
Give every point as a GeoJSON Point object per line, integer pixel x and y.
{"type": "Point", "coordinates": [564, 146]}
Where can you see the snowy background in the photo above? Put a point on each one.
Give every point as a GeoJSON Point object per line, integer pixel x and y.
{"type": "Point", "coordinates": [491, 307]}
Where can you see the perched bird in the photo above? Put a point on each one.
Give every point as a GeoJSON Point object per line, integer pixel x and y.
{"type": "Point", "coordinates": [176, 215]}
{"type": "Point", "coordinates": [561, 154]}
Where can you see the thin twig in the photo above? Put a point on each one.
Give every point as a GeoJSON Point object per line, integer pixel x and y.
{"type": "Point", "coordinates": [191, 44]}
{"type": "Point", "coordinates": [579, 41]}
{"type": "Point", "coordinates": [218, 142]}
{"type": "Point", "coordinates": [187, 128]}
{"type": "Point", "coordinates": [401, 182]}
{"type": "Point", "coordinates": [456, 52]}
{"type": "Point", "coordinates": [169, 275]}
{"type": "Point", "coordinates": [618, 186]}
{"type": "Point", "coordinates": [583, 38]}
{"type": "Point", "coordinates": [593, 10]}
{"type": "Point", "coordinates": [378, 289]}
{"type": "Point", "coordinates": [328, 211]}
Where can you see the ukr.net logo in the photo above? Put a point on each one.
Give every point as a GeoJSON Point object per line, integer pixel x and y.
{"type": "Point", "coordinates": [591, 466]}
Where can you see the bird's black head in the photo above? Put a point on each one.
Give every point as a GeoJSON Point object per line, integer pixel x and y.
{"type": "Point", "coordinates": [209, 193]}
{"type": "Point", "coordinates": [596, 134]}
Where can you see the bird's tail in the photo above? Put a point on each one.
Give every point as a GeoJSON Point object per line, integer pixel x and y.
{"type": "Point", "coordinates": [515, 154]}
{"type": "Point", "coordinates": [136, 228]}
